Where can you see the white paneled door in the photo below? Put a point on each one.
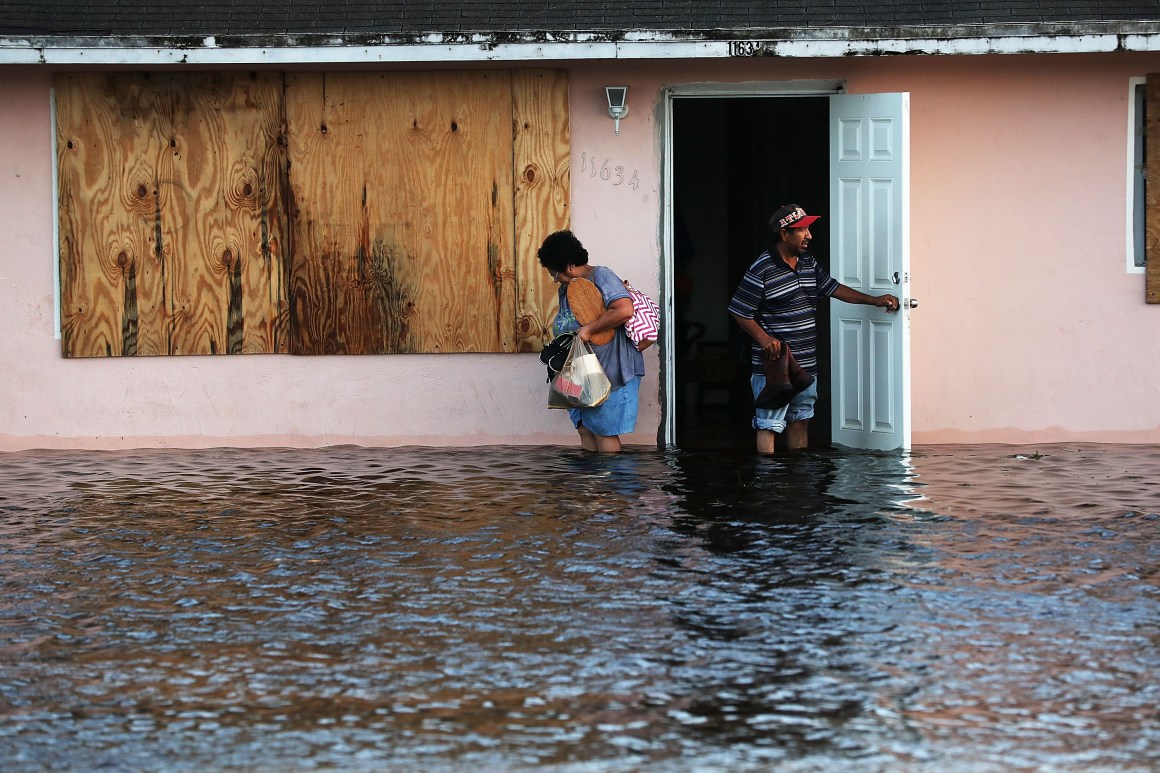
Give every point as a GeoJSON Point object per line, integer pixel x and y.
{"type": "Point", "coordinates": [870, 244]}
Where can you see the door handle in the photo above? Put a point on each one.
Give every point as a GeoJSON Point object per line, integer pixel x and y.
{"type": "Point", "coordinates": [910, 303]}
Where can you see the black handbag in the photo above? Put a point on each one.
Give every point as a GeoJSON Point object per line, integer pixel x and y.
{"type": "Point", "coordinates": [556, 353]}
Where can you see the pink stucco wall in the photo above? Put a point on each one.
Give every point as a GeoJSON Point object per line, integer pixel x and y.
{"type": "Point", "coordinates": [51, 402]}
{"type": "Point", "coordinates": [1030, 329]}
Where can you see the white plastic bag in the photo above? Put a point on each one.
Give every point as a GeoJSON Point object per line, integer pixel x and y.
{"type": "Point", "coordinates": [581, 383]}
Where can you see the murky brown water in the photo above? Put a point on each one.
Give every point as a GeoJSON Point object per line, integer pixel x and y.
{"type": "Point", "coordinates": [958, 608]}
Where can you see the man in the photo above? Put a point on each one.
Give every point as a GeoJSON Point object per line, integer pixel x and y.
{"type": "Point", "coordinates": [776, 303]}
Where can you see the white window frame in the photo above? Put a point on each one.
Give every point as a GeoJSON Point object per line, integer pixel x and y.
{"type": "Point", "coordinates": [1132, 192]}
{"type": "Point", "coordinates": [55, 217]}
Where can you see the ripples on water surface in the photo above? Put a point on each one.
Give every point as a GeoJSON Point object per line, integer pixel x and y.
{"type": "Point", "coordinates": [957, 608]}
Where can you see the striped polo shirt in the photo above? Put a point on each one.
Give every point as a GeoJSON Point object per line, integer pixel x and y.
{"type": "Point", "coordinates": [784, 303]}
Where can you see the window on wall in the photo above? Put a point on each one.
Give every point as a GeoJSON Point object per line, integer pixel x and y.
{"type": "Point", "coordinates": [1138, 172]}
{"type": "Point", "coordinates": [308, 213]}
{"type": "Point", "coordinates": [1144, 199]}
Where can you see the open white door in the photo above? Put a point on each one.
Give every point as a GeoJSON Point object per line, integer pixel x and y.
{"type": "Point", "coordinates": [870, 251]}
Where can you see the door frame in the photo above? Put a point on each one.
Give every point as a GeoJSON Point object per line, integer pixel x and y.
{"type": "Point", "coordinates": [773, 89]}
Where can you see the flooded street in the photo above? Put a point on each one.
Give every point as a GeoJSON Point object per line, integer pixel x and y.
{"type": "Point", "coordinates": [957, 608]}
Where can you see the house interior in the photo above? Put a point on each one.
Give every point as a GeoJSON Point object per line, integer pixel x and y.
{"type": "Point", "coordinates": [736, 160]}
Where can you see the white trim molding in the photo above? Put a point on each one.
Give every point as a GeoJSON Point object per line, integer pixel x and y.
{"type": "Point", "coordinates": [285, 49]}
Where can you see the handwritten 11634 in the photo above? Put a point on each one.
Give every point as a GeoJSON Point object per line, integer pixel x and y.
{"type": "Point", "coordinates": [614, 175]}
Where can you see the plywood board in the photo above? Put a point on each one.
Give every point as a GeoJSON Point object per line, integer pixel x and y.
{"type": "Point", "coordinates": [172, 218]}
{"type": "Point", "coordinates": [211, 213]}
{"type": "Point", "coordinates": [541, 165]}
{"type": "Point", "coordinates": [402, 212]}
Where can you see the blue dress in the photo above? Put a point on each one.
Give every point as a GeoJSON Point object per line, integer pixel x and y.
{"type": "Point", "coordinates": [621, 361]}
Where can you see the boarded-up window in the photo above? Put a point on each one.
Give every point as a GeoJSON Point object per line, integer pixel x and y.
{"type": "Point", "coordinates": [308, 213]}
{"type": "Point", "coordinates": [171, 214]}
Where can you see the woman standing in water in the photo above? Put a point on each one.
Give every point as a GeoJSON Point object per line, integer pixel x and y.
{"type": "Point", "coordinates": [566, 260]}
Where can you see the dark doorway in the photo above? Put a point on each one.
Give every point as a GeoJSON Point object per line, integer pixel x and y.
{"type": "Point", "coordinates": [736, 160]}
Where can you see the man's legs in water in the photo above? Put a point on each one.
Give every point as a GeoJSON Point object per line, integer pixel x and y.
{"type": "Point", "coordinates": [765, 441]}
{"type": "Point", "coordinates": [797, 436]}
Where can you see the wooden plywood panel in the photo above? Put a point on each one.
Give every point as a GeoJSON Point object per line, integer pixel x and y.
{"type": "Point", "coordinates": [402, 212]}
{"type": "Point", "coordinates": [1152, 193]}
{"type": "Point", "coordinates": [540, 155]}
{"type": "Point", "coordinates": [111, 280]}
{"type": "Point", "coordinates": [172, 213]}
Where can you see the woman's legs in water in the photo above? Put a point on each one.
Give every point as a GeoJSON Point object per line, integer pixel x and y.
{"type": "Point", "coordinates": [598, 443]}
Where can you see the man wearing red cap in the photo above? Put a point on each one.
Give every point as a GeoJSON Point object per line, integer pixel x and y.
{"type": "Point", "coordinates": [776, 304]}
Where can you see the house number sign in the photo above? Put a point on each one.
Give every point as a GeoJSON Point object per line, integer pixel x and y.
{"type": "Point", "coordinates": [748, 48]}
{"type": "Point", "coordinates": [614, 175]}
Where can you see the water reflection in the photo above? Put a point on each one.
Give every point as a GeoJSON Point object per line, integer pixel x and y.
{"type": "Point", "coordinates": [539, 608]}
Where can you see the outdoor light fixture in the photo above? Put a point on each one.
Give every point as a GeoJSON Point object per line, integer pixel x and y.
{"type": "Point", "coordinates": [617, 103]}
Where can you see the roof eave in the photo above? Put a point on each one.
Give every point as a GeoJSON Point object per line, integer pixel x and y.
{"type": "Point", "coordinates": [289, 48]}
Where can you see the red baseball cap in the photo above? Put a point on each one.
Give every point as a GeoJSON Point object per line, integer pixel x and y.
{"type": "Point", "coordinates": [791, 216]}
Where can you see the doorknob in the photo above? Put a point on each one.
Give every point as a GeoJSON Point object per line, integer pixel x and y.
{"type": "Point", "coordinates": [910, 303]}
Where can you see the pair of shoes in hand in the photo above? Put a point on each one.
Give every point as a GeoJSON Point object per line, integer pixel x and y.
{"type": "Point", "coordinates": [784, 378]}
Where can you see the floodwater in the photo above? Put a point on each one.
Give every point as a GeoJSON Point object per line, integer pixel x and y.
{"type": "Point", "coordinates": [983, 608]}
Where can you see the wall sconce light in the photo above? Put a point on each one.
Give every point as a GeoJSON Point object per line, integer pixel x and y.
{"type": "Point", "coordinates": [617, 103]}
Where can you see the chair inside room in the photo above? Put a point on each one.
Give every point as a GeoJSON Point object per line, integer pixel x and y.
{"type": "Point", "coordinates": [710, 369]}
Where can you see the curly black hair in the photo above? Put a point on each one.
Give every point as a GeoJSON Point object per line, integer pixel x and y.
{"type": "Point", "coordinates": [560, 250]}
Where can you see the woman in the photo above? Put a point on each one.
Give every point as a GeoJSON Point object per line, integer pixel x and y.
{"type": "Point", "coordinates": [600, 428]}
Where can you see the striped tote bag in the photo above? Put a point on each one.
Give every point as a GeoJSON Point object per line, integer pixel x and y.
{"type": "Point", "coordinates": [645, 325]}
